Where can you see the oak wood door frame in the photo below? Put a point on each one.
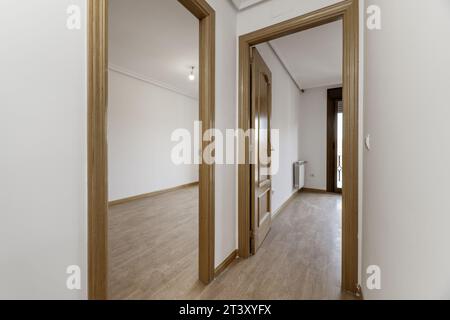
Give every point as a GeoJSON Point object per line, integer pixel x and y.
{"type": "Point", "coordinates": [333, 95]}
{"type": "Point", "coordinates": [97, 143]}
{"type": "Point", "coordinates": [348, 12]}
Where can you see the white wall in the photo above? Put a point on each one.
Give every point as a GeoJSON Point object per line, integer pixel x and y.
{"type": "Point", "coordinates": [43, 142]}
{"type": "Point", "coordinates": [226, 91]}
{"type": "Point", "coordinates": [286, 118]}
{"type": "Point", "coordinates": [406, 208]}
{"type": "Point", "coordinates": [313, 136]}
{"type": "Point", "coordinates": [141, 119]}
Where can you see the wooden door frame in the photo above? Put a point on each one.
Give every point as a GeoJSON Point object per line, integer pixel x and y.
{"type": "Point", "coordinates": [348, 12]}
{"type": "Point", "coordinates": [98, 151]}
{"type": "Point", "coordinates": [333, 95]}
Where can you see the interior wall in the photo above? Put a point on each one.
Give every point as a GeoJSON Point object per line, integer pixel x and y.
{"type": "Point", "coordinates": [362, 26]}
{"type": "Point", "coordinates": [43, 141]}
{"type": "Point", "coordinates": [226, 97]}
{"type": "Point", "coordinates": [286, 103]}
{"type": "Point", "coordinates": [313, 136]}
{"type": "Point", "coordinates": [141, 119]}
{"type": "Point", "coordinates": [406, 212]}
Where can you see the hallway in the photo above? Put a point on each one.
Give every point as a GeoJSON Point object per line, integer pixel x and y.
{"type": "Point", "coordinates": [300, 258]}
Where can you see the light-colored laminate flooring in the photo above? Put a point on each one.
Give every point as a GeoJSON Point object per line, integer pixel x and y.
{"type": "Point", "coordinates": [153, 252]}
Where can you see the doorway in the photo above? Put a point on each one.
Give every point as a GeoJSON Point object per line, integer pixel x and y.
{"type": "Point", "coordinates": [97, 143]}
{"type": "Point", "coordinates": [348, 12]}
{"type": "Point", "coordinates": [335, 118]}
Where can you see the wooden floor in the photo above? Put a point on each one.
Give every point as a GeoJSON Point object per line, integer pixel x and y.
{"type": "Point", "coordinates": [300, 258]}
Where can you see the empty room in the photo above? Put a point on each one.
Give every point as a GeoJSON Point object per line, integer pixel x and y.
{"type": "Point", "coordinates": [153, 199]}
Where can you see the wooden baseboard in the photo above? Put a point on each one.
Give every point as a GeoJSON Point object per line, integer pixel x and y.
{"type": "Point", "coordinates": [310, 190]}
{"type": "Point", "coordinates": [359, 293]}
{"type": "Point", "coordinates": [284, 205]}
{"type": "Point", "coordinates": [221, 268]}
{"type": "Point", "coordinates": [151, 194]}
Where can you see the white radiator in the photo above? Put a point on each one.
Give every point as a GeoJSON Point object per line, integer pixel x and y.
{"type": "Point", "coordinates": [299, 175]}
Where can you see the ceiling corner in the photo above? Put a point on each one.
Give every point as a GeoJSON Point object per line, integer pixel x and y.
{"type": "Point", "coordinates": [244, 4]}
{"type": "Point", "coordinates": [236, 3]}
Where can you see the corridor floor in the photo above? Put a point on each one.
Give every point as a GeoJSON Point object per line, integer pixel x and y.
{"type": "Point", "coordinates": [300, 258]}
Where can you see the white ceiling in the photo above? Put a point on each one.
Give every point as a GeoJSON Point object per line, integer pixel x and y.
{"type": "Point", "coordinates": [313, 57]}
{"type": "Point", "coordinates": [156, 41]}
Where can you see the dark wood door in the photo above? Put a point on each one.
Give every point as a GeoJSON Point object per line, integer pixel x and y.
{"type": "Point", "coordinates": [333, 161]}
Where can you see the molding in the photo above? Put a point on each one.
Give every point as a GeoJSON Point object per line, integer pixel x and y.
{"type": "Point", "coordinates": [284, 205]}
{"type": "Point", "coordinates": [226, 263]}
{"type": "Point", "coordinates": [330, 85]}
{"type": "Point", "coordinates": [275, 52]}
{"type": "Point", "coordinates": [140, 77]}
{"type": "Point", "coordinates": [207, 77]}
{"type": "Point", "coordinates": [97, 151]}
{"type": "Point", "coordinates": [150, 194]}
{"type": "Point", "coordinates": [312, 190]}
{"type": "Point", "coordinates": [359, 292]}
{"type": "Point", "coordinates": [245, 4]}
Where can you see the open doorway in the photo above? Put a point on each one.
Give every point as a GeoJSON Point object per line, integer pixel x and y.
{"type": "Point", "coordinates": [335, 127]}
{"type": "Point", "coordinates": [99, 71]}
{"type": "Point", "coordinates": [153, 92]}
{"type": "Point", "coordinates": [249, 199]}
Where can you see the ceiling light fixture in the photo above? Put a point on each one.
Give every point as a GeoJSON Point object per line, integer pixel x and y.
{"type": "Point", "coordinates": [191, 75]}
